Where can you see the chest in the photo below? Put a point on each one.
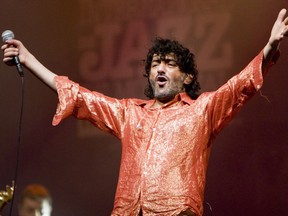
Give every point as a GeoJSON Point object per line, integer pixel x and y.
{"type": "Point", "coordinates": [171, 125]}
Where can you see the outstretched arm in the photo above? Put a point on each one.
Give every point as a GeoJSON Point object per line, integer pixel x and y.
{"type": "Point", "coordinates": [279, 31]}
{"type": "Point", "coordinates": [14, 48]}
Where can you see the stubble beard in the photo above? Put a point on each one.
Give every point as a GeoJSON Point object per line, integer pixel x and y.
{"type": "Point", "coordinates": [167, 93]}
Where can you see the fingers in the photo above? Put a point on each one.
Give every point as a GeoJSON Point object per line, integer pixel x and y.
{"type": "Point", "coordinates": [11, 48]}
{"type": "Point", "coordinates": [3, 47]}
{"type": "Point", "coordinates": [8, 49]}
{"type": "Point", "coordinates": [7, 44]}
{"type": "Point", "coordinates": [282, 14]}
{"type": "Point", "coordinates": [282, 22]}
{"type": "Point", "coordinates": [11, 42]}
{"type": "Point", "coordinates": [285, 29]}
{"type": "Point", "coordinates": [285, 21]}
{"type": "Point", "coordinates": [9, 53]}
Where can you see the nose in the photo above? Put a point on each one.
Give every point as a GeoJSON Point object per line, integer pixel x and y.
{"type": "Point", "coordinates": [161, 68]}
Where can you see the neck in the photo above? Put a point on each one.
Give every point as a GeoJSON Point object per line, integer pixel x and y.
{"type": "Point", "coordinates": [160, 103]}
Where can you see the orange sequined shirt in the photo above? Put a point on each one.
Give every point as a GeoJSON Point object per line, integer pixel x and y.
{"type": "Point", "coordinates": [165, 151]}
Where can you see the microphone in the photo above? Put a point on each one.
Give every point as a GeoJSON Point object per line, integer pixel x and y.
{"type": "Point", "coordinates": [7, 35]}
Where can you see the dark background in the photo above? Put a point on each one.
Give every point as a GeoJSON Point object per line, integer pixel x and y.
{"type": "Point", "coordinates": [248, 169]}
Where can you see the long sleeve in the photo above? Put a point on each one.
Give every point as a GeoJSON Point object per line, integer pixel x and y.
{"type": "Point", "coordinates": [230, 97]}
{"type": "Point", "coordinates": [104, 112]}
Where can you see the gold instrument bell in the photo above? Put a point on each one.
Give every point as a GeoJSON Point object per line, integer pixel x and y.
{"type": "Point", "coordinates": [6, 196]}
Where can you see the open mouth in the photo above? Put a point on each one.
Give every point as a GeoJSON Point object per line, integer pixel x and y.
{"type": "Point", "coordinates": [161, 80]}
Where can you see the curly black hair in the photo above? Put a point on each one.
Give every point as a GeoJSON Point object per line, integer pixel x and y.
{"type": "Point", "coordinates": [185, 61]}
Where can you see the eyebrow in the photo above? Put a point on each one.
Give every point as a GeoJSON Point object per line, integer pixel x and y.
{"type": "Point", "coordinates": [164, 58]}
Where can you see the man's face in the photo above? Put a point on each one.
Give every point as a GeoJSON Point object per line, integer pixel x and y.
{"type": "Point", "coordinates": [165, 78]}
{"type": "Point", "coordinates": [30, 207]}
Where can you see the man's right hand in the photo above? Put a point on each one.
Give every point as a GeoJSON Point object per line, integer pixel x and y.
{"type": "Point", "coordinates": [14, 48]}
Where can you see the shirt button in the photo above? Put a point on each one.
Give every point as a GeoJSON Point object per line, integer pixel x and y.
{"type": "Point", "coordinates": [154, 129]}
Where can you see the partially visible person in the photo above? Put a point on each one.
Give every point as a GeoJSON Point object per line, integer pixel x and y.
{"type": "Point", "coordinates": [35, 200]}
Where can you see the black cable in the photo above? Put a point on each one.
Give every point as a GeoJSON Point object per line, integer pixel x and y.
{"type": "Point", "coordinates": [18, 143]}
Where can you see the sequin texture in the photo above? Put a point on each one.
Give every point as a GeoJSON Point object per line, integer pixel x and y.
{"type": "Point", "coordinates": [165, 151]}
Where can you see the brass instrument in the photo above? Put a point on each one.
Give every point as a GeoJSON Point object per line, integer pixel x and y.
{"type": "Point", "coordinates": [6, 196]}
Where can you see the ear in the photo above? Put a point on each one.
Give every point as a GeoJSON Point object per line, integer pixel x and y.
{"type": "Point", "coordinates": [188, 79]}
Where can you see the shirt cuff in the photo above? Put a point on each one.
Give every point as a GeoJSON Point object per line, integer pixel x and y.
{"type": "Point", "coordinates": [67, 95]}
{"type": "Point", "coordinates": [257, 66]}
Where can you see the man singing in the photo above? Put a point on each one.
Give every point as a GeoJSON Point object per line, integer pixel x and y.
{"type": "Point", "coordinates": [166, 140]}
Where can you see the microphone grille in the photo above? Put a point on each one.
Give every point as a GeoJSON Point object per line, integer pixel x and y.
{"type": "Point", "coordinates": [6, 35]}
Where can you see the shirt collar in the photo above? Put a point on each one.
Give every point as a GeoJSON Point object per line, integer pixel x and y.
{"type": "Point", "coordinates": [183, 96]}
